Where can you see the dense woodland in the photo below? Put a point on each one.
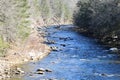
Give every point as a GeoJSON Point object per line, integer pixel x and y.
{"type": "Point", "coordinates": [17, 16]}
{"type": "Point", "coordinates": [99, 18]}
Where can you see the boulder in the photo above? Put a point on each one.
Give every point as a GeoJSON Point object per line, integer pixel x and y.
{"type": "Point", "coordinates": [41, 69]}
{"type": "Point", "coordinates": [116, 50]}
{"type": "Point", "coordinates": [40, 72]}
{"type": "Point", "coordinates": [48, 70]}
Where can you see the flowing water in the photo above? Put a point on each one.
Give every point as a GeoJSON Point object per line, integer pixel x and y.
{"type": "Point", "coordinates": [78, 58]}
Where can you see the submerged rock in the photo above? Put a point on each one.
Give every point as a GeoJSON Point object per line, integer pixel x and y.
{"type": "Point", "coordinates": [63, 45]}
{"type": "Point", "coordinates": [66, 38]}
{"type": "Point", "coordinates": [103, 74]}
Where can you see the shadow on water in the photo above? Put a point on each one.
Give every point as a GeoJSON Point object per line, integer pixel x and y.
{"type": "Point", "coordinates": [77, 58]}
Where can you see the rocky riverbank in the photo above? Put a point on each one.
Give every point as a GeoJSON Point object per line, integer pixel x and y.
{"type": "Point", "coordinates": [31, 50]}
{"type": "Point", "coordinates": [113, 42]}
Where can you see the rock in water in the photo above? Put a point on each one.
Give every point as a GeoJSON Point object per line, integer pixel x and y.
{"type": "Point", "coordinates": [48, 70]}
{"type": "Point", "coordinates": [39, 72]}
{"type": "Point", "coordinates": [41, 69]}
{"type": "Point", "coordinates": [103, 74]}
{"type": "Point", "coordinates": [116, 50]}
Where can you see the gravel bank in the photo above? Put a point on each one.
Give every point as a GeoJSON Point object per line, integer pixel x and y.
{"type": "Point", "coordinates": [31, 50]}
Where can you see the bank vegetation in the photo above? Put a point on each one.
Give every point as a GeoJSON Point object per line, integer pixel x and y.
{"type": "Point", "coordinates": [99, 18]}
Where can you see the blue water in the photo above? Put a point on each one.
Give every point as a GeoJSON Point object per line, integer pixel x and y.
{"type": "Point", "coordinates": [82, 58]}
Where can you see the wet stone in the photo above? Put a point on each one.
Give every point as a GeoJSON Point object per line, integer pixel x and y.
{"type": "Point", "coordinates": [41, 69]}
{"type": "Point", "coordinates": [40, 72]}
{"type": "Point", "coordinates": [115, 50]}
{"type": "Point", "coordinates": [48, 70]}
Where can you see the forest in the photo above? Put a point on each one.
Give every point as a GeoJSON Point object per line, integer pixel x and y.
{"type": "Point", "coordinates": [99, 18]}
